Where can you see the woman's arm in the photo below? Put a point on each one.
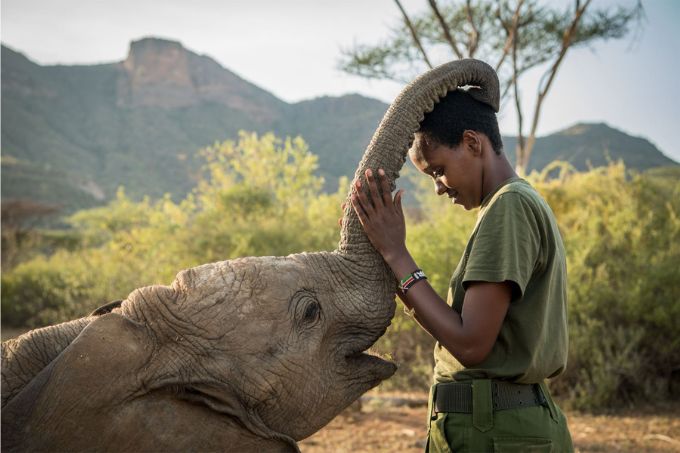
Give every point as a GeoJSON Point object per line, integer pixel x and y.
{"type": "Point", "coordinates": [468, 336]}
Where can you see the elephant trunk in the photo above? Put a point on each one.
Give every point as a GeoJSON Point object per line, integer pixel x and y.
{"type": "Point", "coordinates": [24, 357]}
{"type": "Point", "coordinates": [388, 149]}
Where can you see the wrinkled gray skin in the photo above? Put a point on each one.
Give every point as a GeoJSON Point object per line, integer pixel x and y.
{"type": "Point", "coordinates": [250, 354]}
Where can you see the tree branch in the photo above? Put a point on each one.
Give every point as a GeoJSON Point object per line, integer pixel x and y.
{"type": "Point", "coordinates": [509, 31]}
{"type": "Point", "coordinates": [414, 34]}
{"type": "Point", "coordinates": [520, 155]}
{"type": "Point", "coordinates": [543, 88]}
{"type": "Point", "coordinates": [445, 29]}
{"type": "Point", "coordinates": [474, 32]}
{"type": "Point", "coordinates": [506, 88]}
{"type": "Point", "coordinates": [490, 29]}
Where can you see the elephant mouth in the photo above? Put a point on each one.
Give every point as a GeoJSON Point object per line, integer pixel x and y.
{"type": "Point", "coordinates": [370, 366]}
{"type": "Point", "coordinates": [367, 364]}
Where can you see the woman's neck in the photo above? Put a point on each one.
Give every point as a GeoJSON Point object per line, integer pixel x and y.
{"type": "Point", "coordinates": [497, 170]}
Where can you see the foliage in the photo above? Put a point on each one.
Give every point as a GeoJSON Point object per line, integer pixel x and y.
{"type": "Point", "coordinates": [72, 137]}
{"type": "Point", "coordinates": [260, 196]}
{"type": "Point", "coordinates": [255, 196]}
{"type": "Point", "coordinates": [512, 35]}
{"type": "Point", "coordinates": [478, 30]}
{"type": "Point", "coordinates": [19, 237]}
{"type": "Point", "coordinates": [622, 235]}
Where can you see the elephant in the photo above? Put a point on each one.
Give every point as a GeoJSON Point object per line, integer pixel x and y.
{"type": "Point", "coordinates": [249, 354]}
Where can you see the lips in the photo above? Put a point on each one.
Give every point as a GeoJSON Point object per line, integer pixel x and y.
{"type": "Point", "coordinates": [453, 194]}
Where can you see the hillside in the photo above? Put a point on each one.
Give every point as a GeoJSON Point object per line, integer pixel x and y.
{"type": "Point", "coordinates": [71, 135]}
{"type": "Point", "coordinates": [592, 145]}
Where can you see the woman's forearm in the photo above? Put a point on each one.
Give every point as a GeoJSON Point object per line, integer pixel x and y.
{"type": "Point", "coordinates": [470, 335]}
{"type": "Point", "coordinates": [431, 311]}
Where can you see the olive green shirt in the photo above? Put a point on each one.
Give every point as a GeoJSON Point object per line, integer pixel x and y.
{"type": "Point", "coordinates": [516, 239]}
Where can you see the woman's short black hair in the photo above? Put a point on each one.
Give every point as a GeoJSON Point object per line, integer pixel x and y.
{"type": "Point", "coordinates": [457, 112]}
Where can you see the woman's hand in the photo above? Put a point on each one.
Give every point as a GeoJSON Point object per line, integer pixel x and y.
{"type": "Point", "coordinates": [381, 217]}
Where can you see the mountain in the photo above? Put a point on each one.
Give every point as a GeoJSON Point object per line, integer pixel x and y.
{"type": "Point", "coordinates": [71, 135]}
{"type": "Point", "coordinates": [587, 145]}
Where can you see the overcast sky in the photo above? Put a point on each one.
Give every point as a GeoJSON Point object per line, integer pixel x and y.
{"type": "Point", "coordinates": [291, 48]}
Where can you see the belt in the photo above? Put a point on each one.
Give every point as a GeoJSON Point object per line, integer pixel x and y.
{"type": "Point", "coordinates": [457, 396]}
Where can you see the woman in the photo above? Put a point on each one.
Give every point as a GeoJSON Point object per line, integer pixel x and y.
{"type": "Point", "coordinates": [503, 329]}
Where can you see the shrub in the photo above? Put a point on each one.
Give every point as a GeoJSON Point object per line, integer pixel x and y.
{"type": "Point", "coordinates": [256, 196]}
{"type": "Point", "coordinates": [622, 236]}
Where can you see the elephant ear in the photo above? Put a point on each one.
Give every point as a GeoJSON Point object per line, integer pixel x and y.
{"type": "Point", "coordinates": [107, 308]}
{"type": "Point", "coordinates": [106, 355]}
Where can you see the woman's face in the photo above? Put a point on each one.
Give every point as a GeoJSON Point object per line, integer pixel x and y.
{"type": "Point", "coordinates": [457, 171]}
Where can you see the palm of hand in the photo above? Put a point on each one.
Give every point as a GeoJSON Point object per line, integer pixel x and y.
{"type": "Point", "coordinates": [382, 217]}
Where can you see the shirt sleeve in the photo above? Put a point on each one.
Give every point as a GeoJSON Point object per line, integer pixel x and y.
{"type": "Point", "coordinates": [506, 246]}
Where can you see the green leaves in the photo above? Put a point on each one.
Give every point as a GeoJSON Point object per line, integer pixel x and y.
{"type": "Point", "coordinates": [622, 237]}
{"type": "Point", "coordinates": [260, 195]}
{"type": "Point", "coordinates": [481, 32]}
{"type": "Point", "coordinates": [621, 234]}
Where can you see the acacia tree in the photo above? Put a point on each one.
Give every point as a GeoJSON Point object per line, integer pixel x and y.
{"type": "Point", "coordinates": [514, 36]}
{"type": "Point", "coordinates": [19, 219]}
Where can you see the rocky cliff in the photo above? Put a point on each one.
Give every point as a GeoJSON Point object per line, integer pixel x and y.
{"type": "Point", "coordinates": [71, 135]}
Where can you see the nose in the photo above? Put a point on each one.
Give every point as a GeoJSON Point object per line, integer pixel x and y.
{"type": "Point", "coordinates": [439, 187]}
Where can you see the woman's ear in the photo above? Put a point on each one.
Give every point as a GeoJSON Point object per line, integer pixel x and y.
{"type": "Point", "coordinates": [472, 141]}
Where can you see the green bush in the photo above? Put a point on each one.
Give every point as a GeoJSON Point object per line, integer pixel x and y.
{"type": "Point", "coordinates": [255, 197]}
{"type": "Point", "coordinates": [33, 295]}
{"type": "Point", "coordinates": [622, 234]}
{"type": "Point", "coordinates": [261, 196]}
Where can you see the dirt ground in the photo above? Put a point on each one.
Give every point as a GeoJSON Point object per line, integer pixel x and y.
{"type": "Point", "coordinates": [396, 422]}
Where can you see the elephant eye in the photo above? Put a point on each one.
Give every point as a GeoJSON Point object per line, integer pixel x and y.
{"type": "Point", "coordinates": [305, 309]}
{"type": "Point", "coordinates": [312, 312]}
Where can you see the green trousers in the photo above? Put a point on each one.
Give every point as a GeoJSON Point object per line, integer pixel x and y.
{"type": "Point", "coordinates": [528, 429]}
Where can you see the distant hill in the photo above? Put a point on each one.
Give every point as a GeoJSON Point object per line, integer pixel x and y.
{"type": "Point", "coordinates": [72, 134]}
{"type": "Point", "coordinates": [587, 145]}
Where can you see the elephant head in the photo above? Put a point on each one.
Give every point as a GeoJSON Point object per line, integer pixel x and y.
{"type": "Point", "coordinates": [244, 354]}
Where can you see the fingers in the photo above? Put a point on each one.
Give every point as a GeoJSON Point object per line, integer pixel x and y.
{"type": "Point", "coordinates": [385, 185]}
{"type": "Point", "coordinates": [358, 209]}
{"type": "Point", "coordinates": [373, 187]}
{"type": "Point", "coordinates": [362, 199]}
{"type": "Point", "coordinates": [343, 205]}
{"type": "Point", "coordinates": [370, 201]}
